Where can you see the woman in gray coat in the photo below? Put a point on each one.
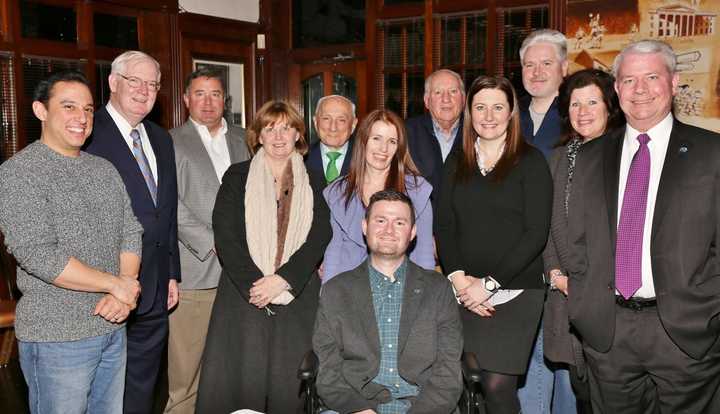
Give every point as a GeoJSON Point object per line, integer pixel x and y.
{"type": "Point", "coordinates": [589, 108]}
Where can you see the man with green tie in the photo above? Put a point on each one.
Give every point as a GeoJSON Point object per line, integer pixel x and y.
{"type": "Point", "coordinates": [334, 122]}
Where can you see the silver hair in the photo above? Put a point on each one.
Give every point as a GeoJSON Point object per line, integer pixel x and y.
{"type": "Point", "coordinates": [454, 74]}
{"type": "Point", "coordinates": [120, 64]}
{"type": "Point", "coordinates": [324, 98]}
{"type": "Point", "coordinates": [647, 47]}
{"type": "Point", "coordinates": [551, 36]}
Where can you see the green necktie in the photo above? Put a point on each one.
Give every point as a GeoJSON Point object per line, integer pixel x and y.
{"type": "Point", "coordinates": [331, 173]}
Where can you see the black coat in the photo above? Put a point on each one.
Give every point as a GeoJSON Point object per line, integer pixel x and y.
{"type": "Point", "coordinates": [250, 358]}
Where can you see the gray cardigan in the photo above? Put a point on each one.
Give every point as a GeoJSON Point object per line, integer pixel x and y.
{"type": "Point", "coordinates": [54, 207]}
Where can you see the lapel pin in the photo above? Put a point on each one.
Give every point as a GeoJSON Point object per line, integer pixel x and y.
{"type": "Point", "coordinates": [417, 291]}
{"type": "Point", "coordinates": [683, 149]}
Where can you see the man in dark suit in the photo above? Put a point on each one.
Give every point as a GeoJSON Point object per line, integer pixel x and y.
{"type": "Point", "coordinates": [143, 154]}
{"type": "Point", "coordinates": [388, 334]}
{"type": "Point", "coordinates": [543, 54]}
{"type": "Point", "coordinates": [334, 122]}
{"type": "Point", "coordinates": [433, 136]}
{"type": "Point", "coordinates": [644, 231]}
{"type": "Point", "coordinates": [205, 146]}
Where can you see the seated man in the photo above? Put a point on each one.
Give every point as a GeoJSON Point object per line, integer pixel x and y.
{"type": "Point", "coordinates": [388, 333]}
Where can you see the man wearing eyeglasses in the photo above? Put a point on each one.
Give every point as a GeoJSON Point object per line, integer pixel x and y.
{"type": "Point", "coordinates": [142, 152]}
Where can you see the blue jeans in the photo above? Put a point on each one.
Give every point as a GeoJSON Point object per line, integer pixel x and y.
{"type": "Point", "coordinates": [83, 376]}
{"type": "Point", "coordinates": [546, 390]}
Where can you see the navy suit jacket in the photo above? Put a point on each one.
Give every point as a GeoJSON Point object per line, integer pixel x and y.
{"type": "Point", "coordinates": [160, 259]}
{"type": "Point", "coordinates": [314, 158]}
{"type": "Point", "coordinates": [425, 150]}
{"type": "Point", "coordinates": [548, 135]}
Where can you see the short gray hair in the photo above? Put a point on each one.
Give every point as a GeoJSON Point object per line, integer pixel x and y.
{"type": "Point", "coordinates": [452, 73]}
{"type": "Point", "coordinates": [342, 98]}
{"type": "Point", "coordinates": [647, 47]}
{"type": "Point", "coordinates": [551, 36]}
{"type": "Point", "coordinates": [120, 64]}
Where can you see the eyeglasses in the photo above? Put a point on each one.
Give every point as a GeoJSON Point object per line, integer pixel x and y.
{"type": "Point", "coordinates": [136, 83]}
{"type": "Point", "coordinates": [283, 130]}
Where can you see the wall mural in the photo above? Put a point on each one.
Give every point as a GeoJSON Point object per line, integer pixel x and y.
{"type": "Point", "coordinates": [598, 29]}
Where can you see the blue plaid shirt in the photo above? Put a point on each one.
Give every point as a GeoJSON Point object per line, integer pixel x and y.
{"type": "Point", "coordinates": [387, 300]}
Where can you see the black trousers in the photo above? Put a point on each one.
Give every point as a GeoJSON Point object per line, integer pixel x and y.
{"type": "Point", "coordinates": [146, 338]}
{"type": "Point", "coordinates": [645, 372]}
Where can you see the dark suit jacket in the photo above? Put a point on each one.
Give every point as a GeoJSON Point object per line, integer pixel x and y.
{"type": "Point", "coordinates": [425, 150]}
{"type": "Point", "coordinates": [550, 130]}
{"type": "Point", "coordinates": [347, 342]}
{"type": "Point", "coordinates": [684, 242]}
{"type": "Point", "coordinates": [160, 259]}
{"type": "Point", "coordinates": [314, 158]}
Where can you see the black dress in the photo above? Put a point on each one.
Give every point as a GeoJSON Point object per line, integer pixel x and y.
{"type": "Point", "coordinates": [499, 229]}
{"type": "Point", "coordinates": [251, 358]}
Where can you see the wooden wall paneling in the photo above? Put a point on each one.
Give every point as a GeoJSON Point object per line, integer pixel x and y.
{"type": "Point", "coordinates": [428, 40]}
{"type": "Point", "coordinates": [176, 87]}
{"type": "Point", "coordinates": [154, 39]}
{"type": "Point", "coordinates": [370, 93]}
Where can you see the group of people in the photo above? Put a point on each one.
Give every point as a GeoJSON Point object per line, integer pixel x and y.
{"type": "Point", "coordinates": [576, 228]}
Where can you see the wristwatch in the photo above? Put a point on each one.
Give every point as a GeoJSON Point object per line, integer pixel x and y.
{"type": "Point", "coordinates": [490, 284]}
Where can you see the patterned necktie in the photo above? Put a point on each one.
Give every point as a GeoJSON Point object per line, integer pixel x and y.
{"type": "Point", "coordinates": [628, 248]}
{"type": "Point", "coordinates": [331, 173]}
{"type": "Point", "coordinates": [143, 164]}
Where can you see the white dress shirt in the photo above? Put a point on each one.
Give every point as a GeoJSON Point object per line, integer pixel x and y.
{"type": "Point", "coordinates": [125, 129]}
{"type": "Point", "coordinates": [324, 149]}
{"type": "Point", "coordinates": [659, 140]}
{"type": "Point", "coordinates": [216, 146]}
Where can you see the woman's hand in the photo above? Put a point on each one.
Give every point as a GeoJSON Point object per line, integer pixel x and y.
{"type": "Point", "coordinates": [559, 281]}
{"type": "Point", "coordinates": [485, 309]}
{"type": "Point", "coordinates": [266, 289]}
{"type": "Point", "coordinates": [474, 295]}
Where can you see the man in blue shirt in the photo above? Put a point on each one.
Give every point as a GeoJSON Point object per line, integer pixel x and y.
{"type": "Point", "coordinates": [388, 334]}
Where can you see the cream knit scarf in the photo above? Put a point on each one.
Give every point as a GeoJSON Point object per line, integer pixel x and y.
{"type": "Point", "coordinates": [261, 215]}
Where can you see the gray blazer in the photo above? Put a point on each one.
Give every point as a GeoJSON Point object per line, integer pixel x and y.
{"type": "Point", "coordinates": [197, 187]}
{"type": "Point", "coordinates": [347, 343]}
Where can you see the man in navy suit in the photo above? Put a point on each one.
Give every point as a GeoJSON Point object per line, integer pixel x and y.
{"type": "Point", "coordinates": [143, 154]}
{"type": "Point", "coordinates": [433, 136]}
{"type": "Point", "coordinates": [334, 122]}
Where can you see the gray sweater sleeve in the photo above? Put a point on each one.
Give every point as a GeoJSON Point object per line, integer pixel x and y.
{"type": "Point", "coordinates": [25, 221]}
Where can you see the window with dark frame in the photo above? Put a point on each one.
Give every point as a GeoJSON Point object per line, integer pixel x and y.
{"type": "Point", "coordinates": [460, 44]}
{"type": "Point", "coordinates": [401, 61]}
{"type": "Point", "coordinates": [48, 22]}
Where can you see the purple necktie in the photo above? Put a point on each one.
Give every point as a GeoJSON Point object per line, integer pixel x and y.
{"type": "Point", "coordinates": [143, 164]}
{"type": "Point", "coordinates": [628, 248]}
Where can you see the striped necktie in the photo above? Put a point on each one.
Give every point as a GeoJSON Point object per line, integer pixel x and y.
{"type": "Point", "coordinates": [331, 173]}
{"type": "Point", "coordinates": [143, 164]}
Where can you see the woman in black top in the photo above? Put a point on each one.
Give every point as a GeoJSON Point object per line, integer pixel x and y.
{"type": "Point", "coordinates": [493, 221]}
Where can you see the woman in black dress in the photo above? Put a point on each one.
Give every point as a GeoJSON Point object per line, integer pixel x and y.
{"type": "Point", "coordinates": [271, 227]}
{"type": "Point", "coordinates": [492, 225]}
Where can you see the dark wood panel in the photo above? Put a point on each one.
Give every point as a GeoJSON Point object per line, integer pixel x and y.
{"type": "Point", "coordinates": [208, 27]}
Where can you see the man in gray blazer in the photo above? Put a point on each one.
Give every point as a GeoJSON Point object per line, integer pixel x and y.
{"type": "Point", "coordinates": [205, 146]}
{"type": "Point", "coordinates": [388, 334]}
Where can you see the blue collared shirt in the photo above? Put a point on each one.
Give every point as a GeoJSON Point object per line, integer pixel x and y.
{"type": "Point", "coordinates": [446, 141]}
{"type": "Point", "coordinates": [387, 298]}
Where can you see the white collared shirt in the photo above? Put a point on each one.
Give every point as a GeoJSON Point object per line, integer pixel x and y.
{"type": "Point", "coordinates": [216, 146]}
{"type": "Point", "coordinates": [659, 140]}
{"type": "Point", "coordinates": [324, 149]}
{"type": "Point", "coordinates": [125, 129]}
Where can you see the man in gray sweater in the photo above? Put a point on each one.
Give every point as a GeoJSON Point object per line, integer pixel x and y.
{"type": "Point", "coordinates": [67, 220]}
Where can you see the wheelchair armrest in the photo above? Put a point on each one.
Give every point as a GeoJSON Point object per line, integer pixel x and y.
{"type": "Point", "coordinates": [471, 368]}
{"type": "Point", "coordinates": [308, 366]}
